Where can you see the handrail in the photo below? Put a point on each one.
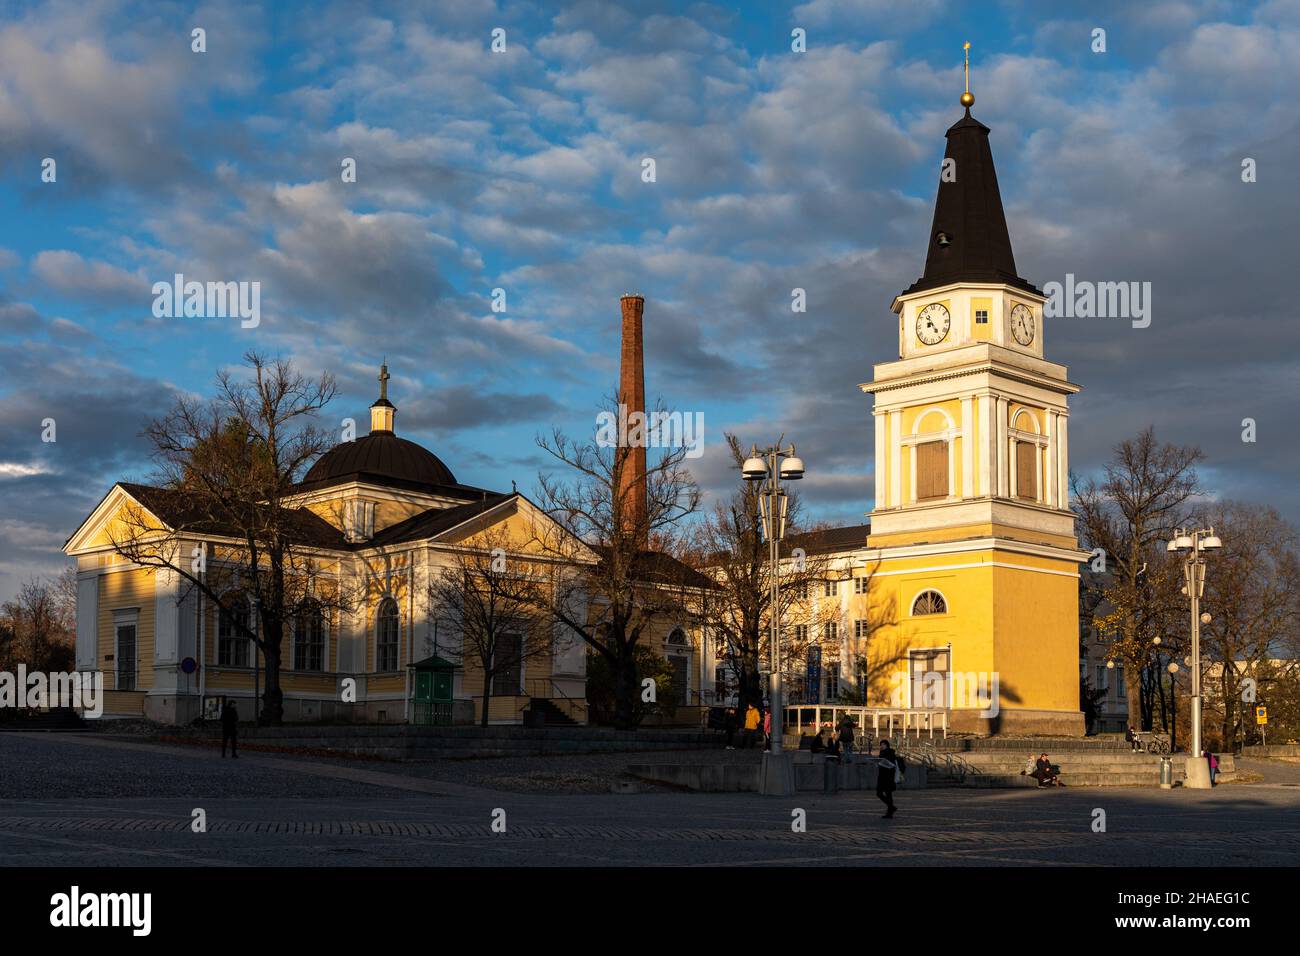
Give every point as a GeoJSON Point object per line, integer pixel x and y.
{"type": "Point", "coordinates": [924, 752]}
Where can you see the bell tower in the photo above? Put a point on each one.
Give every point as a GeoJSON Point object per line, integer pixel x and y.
{"type": "Point", "coordinates": [972, 540]}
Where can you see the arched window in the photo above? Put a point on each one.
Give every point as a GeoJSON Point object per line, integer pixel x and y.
{"type": "Point", "coordinates": [309, 637]}
{"type": "Point", "coordinates": [929, 602]}
{"type": "Point", "coordinates": [677, 637]}
{"type": "Point", "coordinates": [232, 623]}
{"type": "Point", "coordinates": [386, 635]}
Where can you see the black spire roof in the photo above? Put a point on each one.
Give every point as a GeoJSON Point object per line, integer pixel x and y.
{"type": "Point", "coordinates": [968, 238]}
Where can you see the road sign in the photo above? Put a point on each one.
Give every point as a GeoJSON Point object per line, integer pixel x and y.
{"type": "Point", "coordinates": [1261, 715]}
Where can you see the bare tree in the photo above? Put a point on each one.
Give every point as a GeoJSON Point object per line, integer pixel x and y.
{"type": "Point", "coordinates": [225, 468]}
{"type": "Point", "coordinates": [38, 626]}
{"type": "Point", "coordinates": [498, 603]}
{"type": "Point", "coordinates": [1252, 594]}
{"type": "Point", "coordinates": [613, 603]}
{"type": "Point", "coordinates": [729, 548]}
{"type": "Point", "coordinates": [1145, 494]}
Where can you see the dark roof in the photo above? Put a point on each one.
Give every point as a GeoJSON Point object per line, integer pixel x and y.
{"type": "Point", "coordinates": [382, 458]}
{"type": "Point", "coordinates": [177, 510]}
{"type": "Point", "coordinates": [428, 524]}
{"type": "Point", "coordinates": [434, 663]}
{"type": "Point", "coordinates": [658, 567]}
{"type": "Point", "coordinates": [826, 540]}
{"type": "Point", "coordinates": [968, 209]}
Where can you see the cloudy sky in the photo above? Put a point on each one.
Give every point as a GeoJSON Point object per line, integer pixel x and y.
{"type": "Point", "coordinates": [522, 170]}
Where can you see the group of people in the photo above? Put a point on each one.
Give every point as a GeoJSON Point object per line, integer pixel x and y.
{"type": "Point", "coordinates": [748, 726]}
{"type": "Point", "coordinates": [837, 744]}
{"type": "Point", "coordinates": [1043, 770]}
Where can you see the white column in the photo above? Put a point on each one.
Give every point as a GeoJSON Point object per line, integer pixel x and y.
{"type": "Point", "coordinates": [1063, 461]}
{"type": "Point", "coordinates": [1013, 485]}
{"type": "Point", "coordinates": [895, 459]}
{"type": "Point", "coordinates": [1049, 465]}
{"type": "Point", "coordinates": [881, 501]}
{"type": "Point", "coordinates": [1004, 472]}
{"type": "Point", "coordinates": [987, 451]}
{"type": "Point", "coordinates": [967, 447]}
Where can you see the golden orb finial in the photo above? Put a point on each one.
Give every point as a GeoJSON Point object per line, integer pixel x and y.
{"type": "Point", "coordinates": [967, 98]}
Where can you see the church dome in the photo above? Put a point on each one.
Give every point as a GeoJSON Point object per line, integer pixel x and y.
{"type": "Point", "coordinates": [381, 455]}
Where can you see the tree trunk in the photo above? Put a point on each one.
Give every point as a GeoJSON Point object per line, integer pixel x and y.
{"type": "Point", "coordinates": [1133, 686]}
{"type": "Point", "coordinates": [273, 696]}
{"type": "Point", "coordinates": [625, 689]}
{"type": "Point", "coordinates": [487, 697]}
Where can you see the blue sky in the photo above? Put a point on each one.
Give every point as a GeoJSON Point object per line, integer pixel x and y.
{"type": "Point", "coordinates": [522, 170]}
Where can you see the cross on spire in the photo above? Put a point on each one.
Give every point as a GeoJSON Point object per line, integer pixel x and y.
{"type": "Point", "coordinates": [383, 380]}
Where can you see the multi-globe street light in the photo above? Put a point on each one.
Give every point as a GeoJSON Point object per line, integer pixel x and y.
{"type": "Point", "coordinates": [771, 466]}
{"type": "Point", "coordinates": [1192, 544]}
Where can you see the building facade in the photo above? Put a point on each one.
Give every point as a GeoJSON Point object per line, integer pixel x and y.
{"type": "Point", "coordinates": [972, 551]}
{"type": "Point", "coordinates": [381, 518]}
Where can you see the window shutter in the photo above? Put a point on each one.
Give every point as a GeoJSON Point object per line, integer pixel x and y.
{"type": "Point", "coordinates": [1027, 470]}
{"type": "Point", "coordinates": [932, 470]}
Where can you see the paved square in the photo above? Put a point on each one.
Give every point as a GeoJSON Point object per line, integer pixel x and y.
{"type": "Point", "coordinates": [86, 800]}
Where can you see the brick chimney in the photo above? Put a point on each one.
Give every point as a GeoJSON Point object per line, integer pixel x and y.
{"type": "Point", "coordinates": [631, 393]}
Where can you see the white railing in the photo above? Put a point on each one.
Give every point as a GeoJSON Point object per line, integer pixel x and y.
{"type": "Point", "coordinates": [799, 717]}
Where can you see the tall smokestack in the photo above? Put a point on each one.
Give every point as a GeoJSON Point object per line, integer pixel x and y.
{"type": "Point", "coordinates": [631, 393]}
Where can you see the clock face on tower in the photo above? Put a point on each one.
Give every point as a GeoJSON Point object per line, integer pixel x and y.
{"type": "Point", "coordinates": [1022, 324]}
{"type": "Point", "coordinates": [932, 324]}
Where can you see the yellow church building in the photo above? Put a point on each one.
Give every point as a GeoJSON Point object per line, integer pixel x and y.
{"type": "Point", "coordinates": [381, 517]}
{"type": "Point", "coordinates": [972, 554]}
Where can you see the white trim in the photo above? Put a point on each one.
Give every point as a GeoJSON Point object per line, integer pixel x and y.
{"type": "Point", "coordinates": [1049, 466]}
{"type": "Point", "coordinates": [945, 649]}
{"type": "Point", "coordinates": [126, 617]}
{"type": "Point", "coordinates": [895, 459]}
{"type": "Point", "coordinates": [926, 412]}
{"type": "Point", "coordinates": [879, 463]}
{"type": "Point", "coordinates": [967, 447]}
{"type": "Point", "coordinates": [1001, 445]}
{"type": "Point", "coordinates": [1024, 410]}
{"type": "Point", "coordinates": [374, 629]}
{"type": "Point", "coordinates": [975, 564]}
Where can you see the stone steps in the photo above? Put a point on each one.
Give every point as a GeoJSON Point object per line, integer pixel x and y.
{"type": "Point", "coordinates": [1114, 779]}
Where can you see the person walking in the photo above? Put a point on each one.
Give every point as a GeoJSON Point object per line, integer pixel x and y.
{"type": "Point", "coordinates": [752, 721]}
{"type": "Point", "coordinates": [767, 726]}
{"type": "Point", "coordinates": [731, 723]}
{"type": "Point", "coordinates": [229, 728]}
{"type": "Point", "coordinates": [890, 767]}
{"type": "Point", "coordinates": [1213, 761]}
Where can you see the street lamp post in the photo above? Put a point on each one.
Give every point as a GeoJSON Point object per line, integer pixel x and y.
{"type": "Point", "coordinates": [774, 464]}
{"type": "Point", "coordinates": [1192, 544]}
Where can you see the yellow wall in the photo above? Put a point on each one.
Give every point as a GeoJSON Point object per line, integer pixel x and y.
{"type": "Point", "coordinates": [984, 332]}
{"type": "Point", "coordinates": [119, 590]}
{"type": "Point", "coordinates": [1023, 625]}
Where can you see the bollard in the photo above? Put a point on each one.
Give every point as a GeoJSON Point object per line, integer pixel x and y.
{"type": "Point", "coordinates": [831, 780]}
{"type": "Point", "coordinates": [1166, 773]}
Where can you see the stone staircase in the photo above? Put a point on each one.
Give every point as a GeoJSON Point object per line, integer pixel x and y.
{"type": "Point", "coordinates": [997, 763]}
